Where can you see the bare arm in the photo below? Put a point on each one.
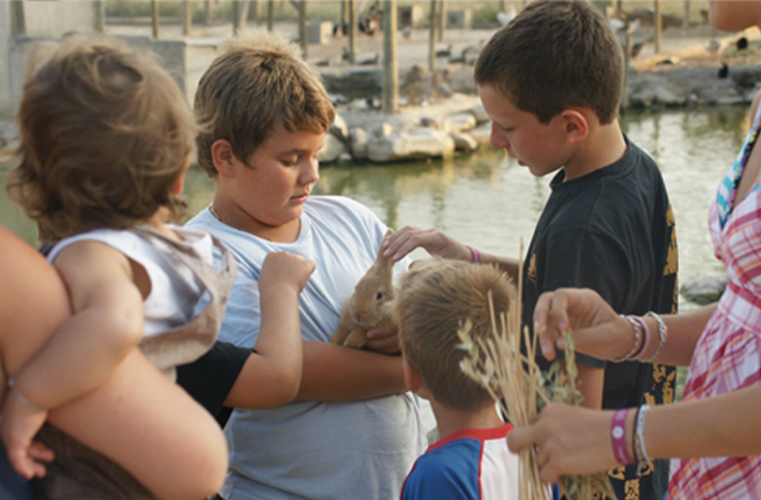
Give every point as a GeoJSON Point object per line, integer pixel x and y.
{"type": "Point", "coordinates": [107, 324]}
{"type": "Point", "coordinates": [272, 374]}
{"type": "Point", "coordinates": [574, 440]}
{"type": "Point", "coordinates": [185, 457]}
{"type": "Point", "coordinates": [439, 244]}
{"type": "Point", "coordinates": [152, 428]}
{"type": "Point", "coordinates": [600, 332]}
{"type": "Point", "coordinates": [80, 356]}
{"type": "Point", "coordinates": [338, 374]}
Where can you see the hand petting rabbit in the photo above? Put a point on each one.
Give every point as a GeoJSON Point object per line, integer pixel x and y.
{"type": "Point", "coordinates": [371, 306]}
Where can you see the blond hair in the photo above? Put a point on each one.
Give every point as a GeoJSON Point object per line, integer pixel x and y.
{"type": "Point", "coordinates": [104, 135]}
{"type": "Point", "coordinates": [554, 55]}
{"type": "Point", "coordinates": [258, 85]}
{"type": "Point", "coordinates": [437, 298]}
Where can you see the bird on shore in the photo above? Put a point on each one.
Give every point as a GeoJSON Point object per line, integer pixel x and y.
{"type": "Point", "coordinates": [724, 70]}
{"type": "Point", "coordinates": [444, 52]}
{"type": "Point", "coordinates": [370, 62]}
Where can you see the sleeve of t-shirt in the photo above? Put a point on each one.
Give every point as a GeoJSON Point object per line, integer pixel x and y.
{"type": "Point", "coordinates": [587, 259]}
{"type": "Point", "coordinates": [437, 483]}
{"type": "Point", "coordinates": [211, 377]}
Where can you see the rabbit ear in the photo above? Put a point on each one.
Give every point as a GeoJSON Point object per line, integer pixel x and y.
{"type": "Point", "coordinates": [380, 259]}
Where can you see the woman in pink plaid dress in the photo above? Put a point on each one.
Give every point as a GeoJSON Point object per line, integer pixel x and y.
{"type": "Point", "coordinates": [714, 434]}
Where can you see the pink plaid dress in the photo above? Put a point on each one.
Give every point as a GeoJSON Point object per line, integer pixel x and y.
{"type": "Point", "coordinates": [728, 354]}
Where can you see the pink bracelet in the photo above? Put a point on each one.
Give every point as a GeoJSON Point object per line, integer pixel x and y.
{"type": "Point", "coordinates": [645, 340]}
{"type": "Point", "coordinates": [475, 255]}
{"type": "Point", "coordinates": [618, 437]}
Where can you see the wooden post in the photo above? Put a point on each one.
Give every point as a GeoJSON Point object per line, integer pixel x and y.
{"type": "Point", "coordinates": [99, 22]}
{"type": "Point", "coordinates": [442, 19]}
{"type": "Point", "coordinates": [254, 10]}
{"type": "Point", "coordinates": [187, 22]}
{"type": "Point", "coordinates": [344, 15]}
{"type": "Point", "coordinates": [155, 18]}
{"type": "Point", "coordinates": [502, 5]}
{"type": "Point", "coordinates": [303, 27]}
{"type": "Point", "coordinates": [432, 40]}
{"type": "Point", "coordinates": [353, 31]}
{"type": "Point", "coordinates": [390, 61]}
{"type": "Point", "coordinates": [237, 17]}
{"type": "Point", "coordinates": [658, 27]}
{"type": "Point", "coordinates": [209, 12]}
{"type": "Point", "coordinates": [270, 15]}
{"type": "Point", "coordinates": [18, 20]}
{"type": "Point", "coordinates": [686, 16]}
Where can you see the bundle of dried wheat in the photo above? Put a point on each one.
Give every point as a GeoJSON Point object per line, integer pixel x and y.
{"type": "Point", "coordinates": [515, 380]}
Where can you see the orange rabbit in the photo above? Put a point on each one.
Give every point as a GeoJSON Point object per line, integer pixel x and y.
{"type": "Point", "coordinates": [371, 306]}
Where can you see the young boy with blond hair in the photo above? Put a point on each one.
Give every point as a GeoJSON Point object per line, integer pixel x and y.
{"type": "Point", "coordinates": [551, 82]}
{"type": "Point", "coordinates": [471, 459]}
{"type": "Point", "coordinates": [353, 431]}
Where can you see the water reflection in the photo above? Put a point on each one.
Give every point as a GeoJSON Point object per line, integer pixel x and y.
{"type": "Point", "coordinates": [489, 201]}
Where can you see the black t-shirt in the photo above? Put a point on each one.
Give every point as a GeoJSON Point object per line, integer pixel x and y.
{"type": "Point", "coordinates": [211, 377]}
{"type": "Point", "coordinates": [613, 231]}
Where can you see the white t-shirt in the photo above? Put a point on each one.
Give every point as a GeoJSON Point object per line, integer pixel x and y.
{"type": "Point", "coordinates": [358, 450]}
{"type": "Point", "coordinates": [176, 293]}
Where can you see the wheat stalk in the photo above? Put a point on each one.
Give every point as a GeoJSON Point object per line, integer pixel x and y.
{"type": "Point", "coordinates": [514, 380]}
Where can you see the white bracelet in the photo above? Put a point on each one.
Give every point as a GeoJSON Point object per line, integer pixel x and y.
{"type": "Point", "coordinates": [663, 333]}
{"type": "Point", "coordinates": [637, 339]}
{"type": "Point", "coordinates": [22, 398]}
{"type": "Point", "coordinates": [643, 459]}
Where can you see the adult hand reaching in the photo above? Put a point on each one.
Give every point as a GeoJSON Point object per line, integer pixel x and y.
{"type": "Point", "coordinates": [597, 329]}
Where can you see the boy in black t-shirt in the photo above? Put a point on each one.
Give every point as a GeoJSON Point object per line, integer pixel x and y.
{"type": "Point", "coordinates": [551, 82]}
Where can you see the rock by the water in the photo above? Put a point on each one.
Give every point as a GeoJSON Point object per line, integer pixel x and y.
{"type": "Point", "coordinates": [413, 145]}
{"type": "Point", "coordinates": [704, 290]}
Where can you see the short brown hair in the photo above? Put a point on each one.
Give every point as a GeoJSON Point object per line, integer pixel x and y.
{"type": "Point", "coordinates": [437, 298]}
{"type": "Point", "coordinates": [258, 84]}
{"type": "Point", "coordinates": [555, 55]}
{"type": "Point", "coordinates": [104, 134]}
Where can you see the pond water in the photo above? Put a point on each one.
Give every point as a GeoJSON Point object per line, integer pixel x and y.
{"type": "Point", "coordinates": [487, 200]}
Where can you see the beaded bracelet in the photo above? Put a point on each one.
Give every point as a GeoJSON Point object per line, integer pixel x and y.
{"type": "Point", "coordinates": [663, 332]}
{"type": "Point", "coordinates": [24, 401]}
{"type": "Point", "coordinates": [637, 339]}
{"type": "Point", "coordinates": [475, 255]}
{"type": "Point", "coordinates": [618, 437]}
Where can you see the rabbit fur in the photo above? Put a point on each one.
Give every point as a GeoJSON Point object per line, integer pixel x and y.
{"type": "Point", "coordinates": [371, 306]}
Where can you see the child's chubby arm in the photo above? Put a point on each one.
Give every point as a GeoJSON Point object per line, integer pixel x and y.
{"type": "Point", "coordinates": [272, 374]}
{"type": "Point", "coordinates": [107, 323]}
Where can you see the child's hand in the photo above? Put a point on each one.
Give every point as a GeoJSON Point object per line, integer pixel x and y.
{"type": "Point", "coordinates": [435, 242]}
{"type": "Point", "coordinates": [285, 268]}
{"type": "Point", "coordinates": [18, 427]}
{"type": "Point", "coordinates": [383, 340]}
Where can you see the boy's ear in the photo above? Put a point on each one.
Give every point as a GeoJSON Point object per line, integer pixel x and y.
{"type": "Point", "coordinates": [576, 126]}
{"type": "Point", "coordinates": [412, 378]}
{"type": "Point", "coordinates": [223, 158]}
{"type": "Point", "coordinates": [179, 183]}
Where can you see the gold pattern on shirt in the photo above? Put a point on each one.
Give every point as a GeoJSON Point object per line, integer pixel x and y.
{"type": "Point", "coordinates": [631, 490]}
{"type": "Point", "coordinates": [532, 268]}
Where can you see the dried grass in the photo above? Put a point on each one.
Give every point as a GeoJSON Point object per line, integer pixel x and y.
{"type": "Point", "coordinates": [514, 379]}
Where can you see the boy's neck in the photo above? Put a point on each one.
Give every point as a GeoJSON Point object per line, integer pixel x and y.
{"type": "Point", "coordinates": [449, 421]}
{"type": "Point", "coordinates": [603, 146]}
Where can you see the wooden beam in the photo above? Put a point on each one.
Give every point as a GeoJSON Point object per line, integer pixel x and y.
{"type": "Point", "coordinates": [390, 61]}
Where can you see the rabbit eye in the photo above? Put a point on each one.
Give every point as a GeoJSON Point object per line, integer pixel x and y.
{"type": "Point", "coordinates": [379, 296]}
